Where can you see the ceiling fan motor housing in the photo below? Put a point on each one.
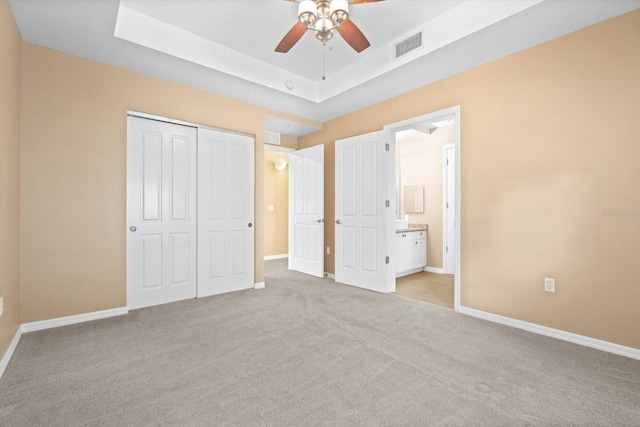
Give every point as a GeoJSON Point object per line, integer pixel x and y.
{"type": "Point", "coordinates": [323, 15]}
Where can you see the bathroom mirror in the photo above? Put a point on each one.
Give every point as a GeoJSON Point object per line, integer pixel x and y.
{"type": "Point", "coordinates": [413, 198]}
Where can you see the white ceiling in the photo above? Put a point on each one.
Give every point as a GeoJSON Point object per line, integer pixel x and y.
{"type": "Point", "coordinates": [227, 47]}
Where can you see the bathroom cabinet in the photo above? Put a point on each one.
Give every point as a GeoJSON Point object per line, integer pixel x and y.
{"type": "Point", "coordinates": [410, 251]}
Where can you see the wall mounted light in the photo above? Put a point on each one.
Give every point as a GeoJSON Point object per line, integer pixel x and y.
{"type": "Point", "coordinates": [280, 165]}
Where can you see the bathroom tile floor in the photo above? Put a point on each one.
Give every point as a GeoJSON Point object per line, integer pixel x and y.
{"type": "Point", "coordinates": [432, 288]}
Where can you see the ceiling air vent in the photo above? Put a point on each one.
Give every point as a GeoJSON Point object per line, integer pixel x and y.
{"type": "Point", "coordinates": [409, 44]}
{"type": "Point", "coordinates": [271, 138]}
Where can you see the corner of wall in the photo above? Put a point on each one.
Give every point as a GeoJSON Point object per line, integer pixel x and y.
{"type": "Point", "coordinates": [10, 177]}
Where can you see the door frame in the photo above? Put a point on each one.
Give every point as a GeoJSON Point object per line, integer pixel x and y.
{"type": "Point", "coordinates": [391, 130]}
{"type": "Point", "coordinates": [445, 222]}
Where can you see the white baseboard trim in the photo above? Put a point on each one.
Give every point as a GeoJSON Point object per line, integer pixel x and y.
{"type": "Point", "coordinates": [4, 362]}
{"type": "Point", "coordinates": [272, 257]}
{"type": "Point", "coordinates": [70, 320]}
{"type": "Point", "coordinates": [329, 275]}
{"type": "Point", "coordinates": [437, 270]}
{"type": "Point", "coordinates": [259, 285]}
{"type": "Point", "coordinates": [607, 346]}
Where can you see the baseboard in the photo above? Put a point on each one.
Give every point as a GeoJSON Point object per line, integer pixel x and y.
{"type": "Point", "coordinates": [329, 275]}
{"type": "Point", "coordinates": [272, 257]}
{"type": "Point", "coordinates": [4, 362]}
{"type": "Point", "coordinates": [259, 285]}
{"type": "Point", "coordinates": [607, 346]}
{"type": "Point", "coordinates": [70, 320]}
{"type": "Point", "coordinates": [434, 270]}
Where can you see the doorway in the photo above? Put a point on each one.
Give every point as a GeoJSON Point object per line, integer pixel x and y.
{"type": "Point", "coordinates": [427, 151]}
{"type": "Point", "coordinates": [276, 202]}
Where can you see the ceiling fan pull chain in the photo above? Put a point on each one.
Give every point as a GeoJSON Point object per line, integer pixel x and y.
{"type": "Point", "coordinates": [324, 54]}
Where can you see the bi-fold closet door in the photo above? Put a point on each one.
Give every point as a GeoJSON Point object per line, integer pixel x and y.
{"type": "Point", "coordinates": [190, 195]}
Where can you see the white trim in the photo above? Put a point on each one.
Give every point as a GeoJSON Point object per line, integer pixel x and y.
{"type": "Point", "coordinates": [71, 320]}
{"type": "Point", "coordinates": [9, 353]}
{"type": "Point", "coordinates": [445, 222]}
{"type": "Point", "coordinates": [607, 346]}
{"type": "Point", "coordinates": [329, 276]}
{"type": "Point", "coordinates": [433, 117]}
{"type": "Point", "coordinates": [272, 257]}
{"type": "Point", "coordinates": [259, 285]}
{"type": "Point", "coordinates": [157, 118]}
{"type": "Point", "coordinates": [408, 272]}
{"type": "Point", "coordinates": [436, 270]}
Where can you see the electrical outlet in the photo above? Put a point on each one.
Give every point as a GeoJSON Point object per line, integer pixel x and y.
{"type": "Point", "coordinates": [549, 284]}
{"type": "Point", "coordinates": [328, 250]}
{"type": "Point", "coordinates": [1, 306]}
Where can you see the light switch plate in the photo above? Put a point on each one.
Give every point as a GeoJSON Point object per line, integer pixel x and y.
{"type": "Point", "coordinates": [1, 306]}
{"type": "Point", "coordinates": [270, 208]}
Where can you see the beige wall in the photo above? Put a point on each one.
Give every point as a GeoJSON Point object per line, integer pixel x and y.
{"type": "Point", "coordinates": [287, 141]}
{"type": "Point", "coordinates": [10, 68]}
{"type": "Point", "coordinates": [74, 174]}
{"type": "Point", "coordinates": [420, 163]}
{"type": "Point", "coordinates": [276, 193]}
{"type": "Point", "coordinates": [538, 176]}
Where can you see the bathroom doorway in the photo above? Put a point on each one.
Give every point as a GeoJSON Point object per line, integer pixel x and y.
{"type": "Point", "coordinates": [426, 249]}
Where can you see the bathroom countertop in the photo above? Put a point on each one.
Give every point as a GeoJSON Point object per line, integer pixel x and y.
{"type": "Point", "coordinates": [414, 227]}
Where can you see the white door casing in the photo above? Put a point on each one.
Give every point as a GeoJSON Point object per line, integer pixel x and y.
{"type": "Point", "coordinates": [161, 212]}
{"type": "Point", "coordinates": [225, 212]}
{"type": "Point", "coordinates": [306, 210]}
{"type": "Point", "coordinates": [449, 207]}
{"type": "Point", "coordinates": [362, 221]}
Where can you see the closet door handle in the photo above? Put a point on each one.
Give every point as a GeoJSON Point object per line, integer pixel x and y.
{"type": "Point", "coordinates": [250, 225]}
{"type": "Point", "coordinates": [338, 221]}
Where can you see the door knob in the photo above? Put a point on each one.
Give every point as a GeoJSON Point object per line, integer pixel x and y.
{"type": "Point", "coordinates": [338, 221]}
{"type": "Point", "coordinates": [320, 220]}
{"type": "Point", "coordinates": [133, 229]}
{"type": "Point", "coordinates": [250, 225]}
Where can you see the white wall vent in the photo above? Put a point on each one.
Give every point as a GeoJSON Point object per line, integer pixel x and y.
{"type": "Point", "coordinates": [271, 138]}
{"type": "Point", "coordinates": [409, 44]}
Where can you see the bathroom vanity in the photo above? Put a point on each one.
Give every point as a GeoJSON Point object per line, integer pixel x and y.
{"type": "Point", "coordinates": [410, 250]}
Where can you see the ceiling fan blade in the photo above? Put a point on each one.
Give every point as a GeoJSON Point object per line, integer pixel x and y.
{"type": "Point", "coordinates": [291, 38]}
{"type": "Point", "coordinates": [352, 35]}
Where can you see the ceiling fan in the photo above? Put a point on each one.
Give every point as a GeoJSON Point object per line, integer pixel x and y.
{"type": "Point", "coordinates": [322, 17]}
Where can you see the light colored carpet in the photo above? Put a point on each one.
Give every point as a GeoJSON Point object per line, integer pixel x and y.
{"type": "Point", "coordinates": [307, 352]}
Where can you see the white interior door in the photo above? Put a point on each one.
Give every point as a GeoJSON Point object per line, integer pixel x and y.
{"type": "Point", "coordinates": [306, 210]}
{"type": "Point", "coordinates": [362, 243]}
{"type": "Point", "coordinates": [449, 209]}
{"type": "Point", "coordinates": [225, 212]}
{"type": "Point", "coordinates": [161, 212]}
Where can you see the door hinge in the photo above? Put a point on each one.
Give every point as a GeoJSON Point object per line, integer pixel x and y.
{"type": "Point", "coordinates": [387, 204]}
{"type": "Point", "coordinates": [447, 161]}
{"type": "Point", "coordinates": [447, 205]}
{"type": "Point", "coordinates": [447, 248]}
{"type": "Point", "coordinates": [386, 260]}
{"type": "Point", "coordinates": [386, 146]}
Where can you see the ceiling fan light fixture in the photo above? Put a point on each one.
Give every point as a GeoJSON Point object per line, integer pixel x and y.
{"type": "Point", "coordinates": [324, 35]}
{"type": "Point", "coordinates": [339, 11]}
{"type": "Point", "coordinates": [323, 17]}
{"type": "Point", "coordinates": [307, 13]}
